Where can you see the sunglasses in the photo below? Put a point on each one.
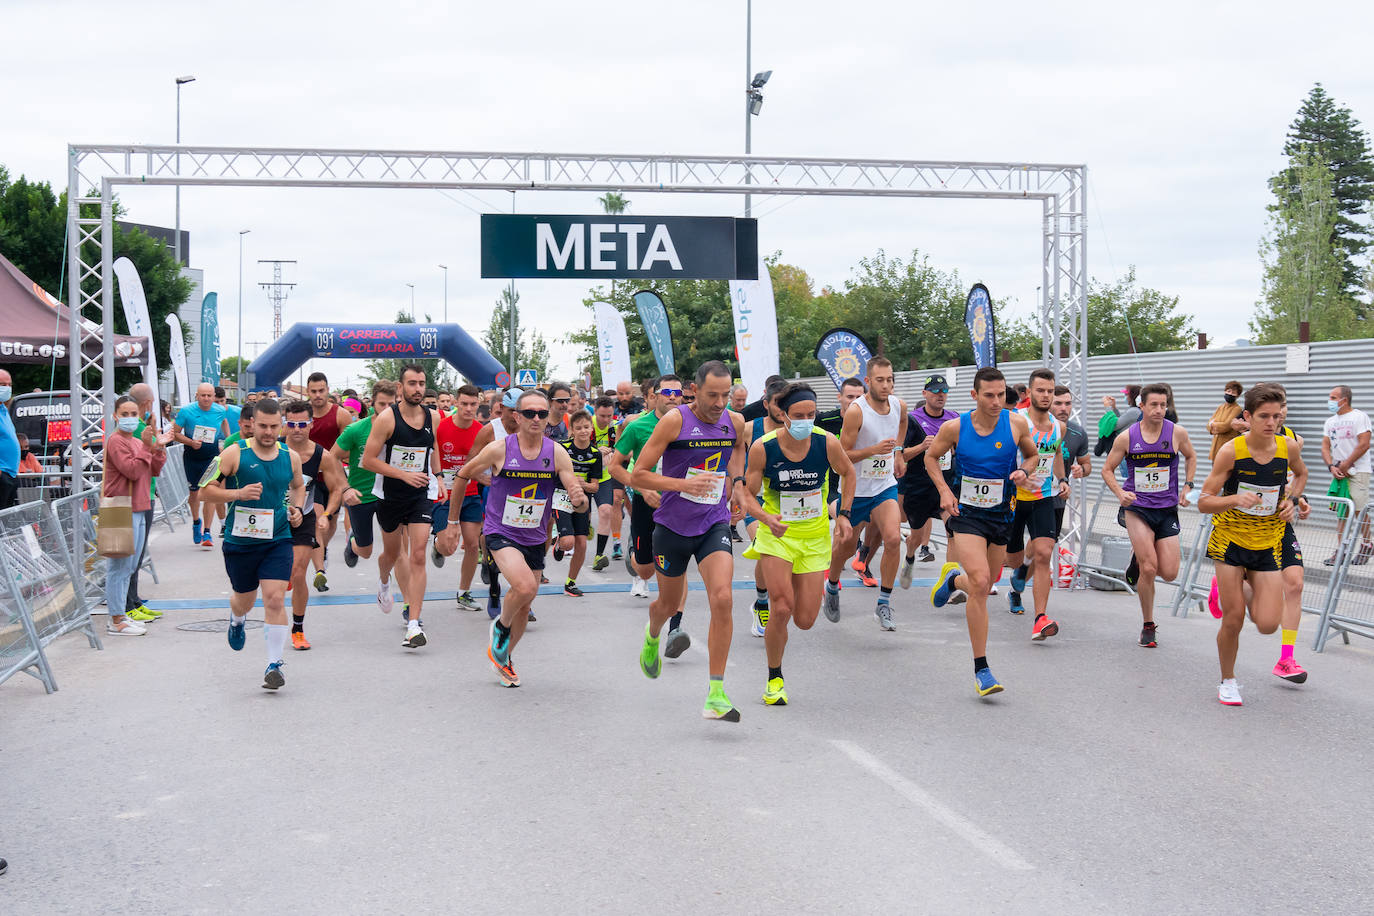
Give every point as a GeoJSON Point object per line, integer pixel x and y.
{"type": "Point", "coordinates": [529, 413]}
{"type": "Point", "coordinates": [561, 400]}
{"type": "Point", "coordinates": [297, 424]}
{"type": "Point", "coordinates": [670, 392]}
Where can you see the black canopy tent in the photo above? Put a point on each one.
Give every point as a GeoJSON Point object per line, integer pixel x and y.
{"type": "Point", "coordinates": [35, 328]}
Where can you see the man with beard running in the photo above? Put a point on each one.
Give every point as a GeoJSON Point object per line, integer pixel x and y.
{"type": "Point", "coordinates": [462, 512]}
{"type": "Point", "coordinates": [526, 467]}
{"type": "Point", "coordinates": [988, 441]}
{"type": "Point", "coordinates": [874, 428]}
{"type": "Point", "coordinates": [261, 480]}
{"type": "Point", "coordinates": [400, 451]}
{"type": "Point", "coordinates": [317, 465]}
{"type": "Point", "coordinates": [702, 450]}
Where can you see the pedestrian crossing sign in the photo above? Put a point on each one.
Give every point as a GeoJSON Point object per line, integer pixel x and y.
{"type": "Point", "coordinates": [526, 378]}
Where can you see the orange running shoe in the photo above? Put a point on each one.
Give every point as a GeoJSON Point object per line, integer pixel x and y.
{"type": "Point", "coordinates": [506, 672]}
{"type": "Point", "coordinates": [299, 642]}
{"type": "Point", "coordinates": [1044, 627]}
{"type": "Point", "coordinates": [866, 577]}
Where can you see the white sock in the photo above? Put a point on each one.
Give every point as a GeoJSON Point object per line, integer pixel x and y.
{"type": "Point", "coordinates": [1228, 680]}
{"type": "Point", "coordinates": [413, 624]}
{"type": "Point", "coordinates": [275, 636]}
{"type": "Point", "coordinates": [236, 619]}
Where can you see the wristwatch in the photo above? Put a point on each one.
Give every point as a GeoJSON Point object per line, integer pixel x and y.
{"type": "Point", "coordinates": [1190, 485]}
{"type": "Point", "coordinates": [842, 513]}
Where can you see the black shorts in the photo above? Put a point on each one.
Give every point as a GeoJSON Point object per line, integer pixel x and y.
{"type": "Point", "coordinates": [921, 506]}
{"type": "Point", "coordinates": [321, 493]}
{"type": "Point", "coordinates": [573, 524]}
{"type": "Point", "coordinates": [303, 535]}
{"type": "Point", "coordinates": [996, 532]}
{"type": "Point", "coordinates": [533, 554]}
{"type": "Point", "coordinates": [194, 467]}
{"type": "Point", "coordinates": [1291, 554]}
{"type": "Point", "coordinates": [360, 518]}
{"type": "Point", "coordinates": [1034, 517]}
{"type": "Point", "coordinates": [248, 564]}
{"type": "Point", "coordinates": [1163, 522]}
{"type": "Point", "coordinates": [1223, 550]}
{"type": "Point", "coordinates": [673, 551]}
{"type": "Point", "coordinates": [642, 530]}
{"type": "Point", "coordinates": [605, 492]}
{"type": "Point", "coordinates": [414, 510]}
{"type": "Point", "coordinates": [1059, 519]}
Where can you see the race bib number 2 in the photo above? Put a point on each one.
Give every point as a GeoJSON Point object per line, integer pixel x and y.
{"type": "Point", "coordinates": [1269, 499]}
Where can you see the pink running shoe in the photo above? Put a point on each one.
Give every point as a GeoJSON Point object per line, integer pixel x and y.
{"type": "Point", "coordinates": [1290, 670]}
{"type": "Point", "coordinates": [1214, 600]}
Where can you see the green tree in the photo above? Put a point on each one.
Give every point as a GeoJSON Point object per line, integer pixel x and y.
{"type": "Point", "coordinates": [614, 203]}
{"type": "Point", "coordinates": [439, 375]}
{"type": "Point", "coordinates": [1302, 264]}
{"type": "Point", "coordinates": [32, 233]}
{"type": "Point", "coordinates": [1122, 318]}
{"type": "Point", "coordinates": [1331, 132]}
{"type": "Point", "coordinates": [531, 349]}
{"type": "Point", "coordinates": [229, 366]}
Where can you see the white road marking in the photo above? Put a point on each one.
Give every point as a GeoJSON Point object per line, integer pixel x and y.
{"type": "Point", "coordinates": [984, 842]}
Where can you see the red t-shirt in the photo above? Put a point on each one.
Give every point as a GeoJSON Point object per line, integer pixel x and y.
{"type": "Point", "coordinates": [454, 445]}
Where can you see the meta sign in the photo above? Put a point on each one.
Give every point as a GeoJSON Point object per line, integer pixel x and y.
{"type": "Point", "coordinates": [394, 341]}
{"type": "Point", "coordinates": [603, 247]}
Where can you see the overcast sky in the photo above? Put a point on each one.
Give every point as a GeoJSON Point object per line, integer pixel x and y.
{"type": "Point", "coordinates": [1178, 109]}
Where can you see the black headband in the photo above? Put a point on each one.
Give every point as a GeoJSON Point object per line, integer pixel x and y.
{"type": "Point", "coordinates": [801, 394]}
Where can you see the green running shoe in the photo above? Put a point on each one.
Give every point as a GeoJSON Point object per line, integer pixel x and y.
{"type": "Point", "coordinates": [649, 661]}
{"type": "Point", "coordinates": [718, 706]}
{"type": "Point", "coordinates": [775, 694]}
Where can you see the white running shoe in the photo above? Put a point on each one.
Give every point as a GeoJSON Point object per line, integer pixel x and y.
{"type": "Point", "coordinates": [1228, 692]}
{"type": "Point", "coordinates": [130, 628]}
{"type": "Point", "coordinates": [384, 597]}
{"type": "Point", "coordinates": [908, 567]}
{"type": "Point", "coordinates": [639, 588]}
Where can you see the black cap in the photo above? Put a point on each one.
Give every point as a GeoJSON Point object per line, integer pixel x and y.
{"type": "Point", "coordinates": [937, 384]}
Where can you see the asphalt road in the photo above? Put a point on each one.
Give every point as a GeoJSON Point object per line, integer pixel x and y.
{"type": "Point", "coordinates": [161, 778]}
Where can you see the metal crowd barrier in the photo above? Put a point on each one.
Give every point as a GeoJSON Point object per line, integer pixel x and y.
{"type": "Point", "coordinates": [1352, 607]}
{"type": "Point", "coordinates": [48, 598]}
{"type": "Point", "coordinates": [173, 490]}
{"type": "Point", "coordinates": [1326, 555]}
{"type": "Point", "coordinates": [77, 515]}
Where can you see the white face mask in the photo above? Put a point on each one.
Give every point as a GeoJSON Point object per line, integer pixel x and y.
{"type": "Point", "coordinates": [800, 429]}
{"type": "Point", "coordinates": [1333, 406]}
{"type": "Point", "coordinates": [128, 424]}
{"type": "Point", "coordinates": [6, 391]}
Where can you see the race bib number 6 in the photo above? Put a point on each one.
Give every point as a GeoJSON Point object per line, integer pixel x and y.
{"type": "Point", "coordinates": [253, 523]}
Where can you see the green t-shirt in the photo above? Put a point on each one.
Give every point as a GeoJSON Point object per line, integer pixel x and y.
{"type": "Point", "coordinates": [152, 481]}
{"type": "Point", "coordinates": [236, 437]}
{"type": "Point", "coordinates": [352, 440]}
{"type": "Point", "coordinates": [636, 435]}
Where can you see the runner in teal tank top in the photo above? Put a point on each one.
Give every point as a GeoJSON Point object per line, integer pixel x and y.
{"type": "Point", "coordinates": [261, 481]}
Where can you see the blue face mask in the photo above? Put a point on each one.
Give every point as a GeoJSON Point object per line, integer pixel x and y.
{"type": "Point", "coordinates": [1331, 405]}
{"type": "Point", "coordinates": [5, 393]}
{"type": "Point", "coordinates": [800, 429]}
{"type": "Point", "coordinates": [128, 424]}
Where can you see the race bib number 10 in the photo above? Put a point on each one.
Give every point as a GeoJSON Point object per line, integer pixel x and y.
{"type": "Point", "coordinates": [980, 493]}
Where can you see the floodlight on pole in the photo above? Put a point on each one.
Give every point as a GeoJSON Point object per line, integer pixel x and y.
{"type": "Point", "coordinates": [760, 78]}
{"type": "Point", "coordinates": [753, 98]}
{"type": "Point", "coordinates": [176, 241]}
{"type": "Point", "coordinates": [412, 300]}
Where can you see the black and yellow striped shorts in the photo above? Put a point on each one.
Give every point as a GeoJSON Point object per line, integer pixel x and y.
{"type": "Point", "coordinates": [1222, 549]}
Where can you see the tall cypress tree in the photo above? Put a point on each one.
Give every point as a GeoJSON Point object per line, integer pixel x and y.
{"type": "Point", "coordinates": [1331, 132]}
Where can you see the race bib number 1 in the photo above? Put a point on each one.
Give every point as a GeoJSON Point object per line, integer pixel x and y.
{"type": "Point", "coordinates": [522, 513]}
{"type": "Point", "coordinates": [800, 507]}
{"type": "Point", "coordinates": [253, 523]}
{"type": "Point", "coordinates": [980, 493]}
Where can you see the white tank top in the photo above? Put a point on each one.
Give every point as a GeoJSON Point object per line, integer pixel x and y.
{"type": "Point", "coordinates": [876, 474]}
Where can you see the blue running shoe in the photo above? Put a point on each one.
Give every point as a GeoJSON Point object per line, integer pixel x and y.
{"type": "Point", "coordinates": [985, 683]}
{"type": "Point", "coordinates": [1014, 603]}
{"type": "Point", "coordinates": [237, 635]}
{"type": "Point", "coordinates": [493, 606]}
{"type": "Point", "coordinates": [272, 678]}
{"type": "Point", "coordinates": [195, 532]}
{"type": "Point", "coordinates": [944, 584]}
{"type": "Point", "coordinates": [500, 646]}
{"type": "Point", "coordinates": [1018, 582]}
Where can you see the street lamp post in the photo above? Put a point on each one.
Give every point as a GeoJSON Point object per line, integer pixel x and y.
{"type": "Point", "coordinates": [753, 97]}
{"type": "Point", "coordinates": [444, 268]}
{"type": "Point", "coordinates": [412, 300]}
{"type": "Point", "coordinates": [176, 241]}
{"type": "Point", "coordinates": [239, 368]}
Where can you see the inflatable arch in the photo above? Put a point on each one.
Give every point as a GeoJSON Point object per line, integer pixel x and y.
{"type": "Point", "coordinates": [373, 341]}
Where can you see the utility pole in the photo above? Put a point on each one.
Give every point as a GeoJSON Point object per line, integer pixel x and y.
{"type": "Point", "coordinates": [277, 291]}
{"type": "Point", "coordinates": [512, 368]}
